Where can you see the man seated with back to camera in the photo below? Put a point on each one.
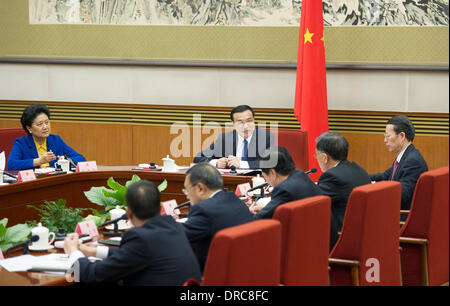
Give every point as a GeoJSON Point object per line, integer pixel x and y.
{"type": "Point", "coordinates": [212, 210]}
{"type": "Point", "coordinates": [339, 177]}
{"type": "Point", "coordinates": [154, 252]}
{"type": "Point", "coordinates": [278, 169]}
{"type": "Point", "coordinates": [241, 147]}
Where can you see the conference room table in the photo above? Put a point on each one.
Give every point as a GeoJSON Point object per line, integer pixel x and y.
{"type": "Point", "coordinates": [15, 197]}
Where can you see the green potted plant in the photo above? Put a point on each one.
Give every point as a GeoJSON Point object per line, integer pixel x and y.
{"type": "Point", "coordinates": [111, 197]}
{"type": "Point", "coordinates": [55, 215]}
{"type": "Point", "coordinates": [12, 235]}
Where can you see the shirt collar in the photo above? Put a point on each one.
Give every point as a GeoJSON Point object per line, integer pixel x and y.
{"type": "Point", "coordinates": [241, 139]}
{"type": "Point", "coordinates": [216, 192]}
{"type": "Point", "coordinates": [400, 155]}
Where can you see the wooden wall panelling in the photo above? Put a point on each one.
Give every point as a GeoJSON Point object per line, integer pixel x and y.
{"type": "Point", "coordinates": [108, 144]}
{"type": "Point", "coordinates": [370, 152]}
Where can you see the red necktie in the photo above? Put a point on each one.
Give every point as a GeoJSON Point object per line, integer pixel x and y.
{"type": "Point", "coordinates": [394, 169]}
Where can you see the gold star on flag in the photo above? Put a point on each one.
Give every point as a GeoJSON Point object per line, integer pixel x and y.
{"type": "Point", "coordinates": [308, 36]}
{"type": "Point", "coordinates": [323, 39]}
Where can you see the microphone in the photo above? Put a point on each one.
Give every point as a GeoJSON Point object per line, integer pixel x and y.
{"type": "Point", "coordinates": [24, 244]}
{"type": "Point", "coordinates": [182, 205]}
{"type": "Point", "coordinates": [258, 187]}
{"type": "Point", "coordinates": [123, 217]}
{"type": "Point", "coordinates": [10, 175]}
{"type": "Point", "coordinates": [233, 170]}
{"type": "Point", "coordinates": [313, 170]}
{"type": "Point", "coordinates": [71, 162]}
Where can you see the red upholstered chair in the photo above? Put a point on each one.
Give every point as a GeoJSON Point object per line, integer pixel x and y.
{"type": "Point", "coordinates": [296, 142]}
{"type": "Point", "coordinates": [245, 255]}
{"type": "Point", "coordinates": [7, 137]}
{"type": "Point", "coordinates": [424, 237]}
{"type": "Point", "coordinates": [305, 241]}
{"type": "Point", "coordinates": [367, 252]}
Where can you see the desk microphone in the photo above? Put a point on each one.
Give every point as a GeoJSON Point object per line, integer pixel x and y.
{"type": "Point", "coordinates": [123, 217]}
{"type": "Point", "coordinates": [183, 205]}
{"type": "Point", "coordinates": [233, 170]}
{"type": "Point", "coordinates": [258, 187]}
{"type": "Point", "coordinates": [313, 170]}
{"type": "Point", "coordinates": [24, 244]}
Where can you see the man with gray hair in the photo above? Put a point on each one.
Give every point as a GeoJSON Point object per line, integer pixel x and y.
{"type": "Point", "coordinates": [339, 177]}
{"type": "Point", "coordinates": [213, 208]}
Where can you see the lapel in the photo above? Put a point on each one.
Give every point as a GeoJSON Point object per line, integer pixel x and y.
{"type": "Point", "coordinates": [409, 149]}
{"type": "Point", "coordinates": [31, 146]}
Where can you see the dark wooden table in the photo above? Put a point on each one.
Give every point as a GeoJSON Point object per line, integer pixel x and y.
{"type": "Point", "coordinates": [14, 199]}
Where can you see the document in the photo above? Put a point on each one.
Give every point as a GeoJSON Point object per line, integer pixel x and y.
{"type": "Point", "coordinates": [51, 262]}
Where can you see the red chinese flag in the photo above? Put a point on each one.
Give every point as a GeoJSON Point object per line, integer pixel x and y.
{"type": "Point", "coordinates": [311, 108]}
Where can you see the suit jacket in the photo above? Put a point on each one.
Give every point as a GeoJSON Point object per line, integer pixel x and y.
{"type": "Point", "coordinates": [411, 166]}
{"type": "Point", "coordinates": [297, 186]}
{"type": "Point", "coordinates": [226, 144]}
{"type": "Point", "coordinates": [156, 254]}
{"type": "Point", "coordinates": [24, 151]}
{"type": "Point", "coordinates": [337, 183]}
{"type": "Point", "coordinates": [208, 217]}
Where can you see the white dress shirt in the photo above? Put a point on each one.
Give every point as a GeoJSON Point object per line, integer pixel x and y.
{"type": "Point", "coordinates": [239, 150]}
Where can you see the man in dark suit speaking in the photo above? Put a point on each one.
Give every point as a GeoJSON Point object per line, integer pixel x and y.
{"type": "Point", "coordinates": [409, 163]}
{"type": "Point", "coordinates": [241, 147]}
{"type": "Point", "coordinates": [339, 177]}
{"type": "Point", "coordinates": [155, 252]}
{"type": "Point", "coordinates": [213, 208]}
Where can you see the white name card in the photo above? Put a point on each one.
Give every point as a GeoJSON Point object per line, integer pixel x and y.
{"type": "Point", "coordinates": [241, 189]}
{"type": "Point", "coordinates": [87, 166]}
{"type": "Point", "coordinates": [167, 208]}
{"type": "Point", "coordinates": [26, 175]}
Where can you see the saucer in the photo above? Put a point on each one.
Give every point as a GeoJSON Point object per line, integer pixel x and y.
{"type": "Point", "coordinates": [34, 248]}
{"type": "Point", "coordinates": [120, 227]}
{"type": "Point", "coordinates": [3, 184]}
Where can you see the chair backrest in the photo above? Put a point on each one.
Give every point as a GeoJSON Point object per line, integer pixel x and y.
{"type": "Point", "coordinates": [296, 142]}
{"type": "Point", "coordinates": [428, 219]}
{"type": "Point", "coordinates": [370, 235]}
{"type": "Point", "coordinates": [305, 241]}
{"type": "Point", "coordinates": [7, 137]}
{"type": "Point", "coordinates": [245, 255]}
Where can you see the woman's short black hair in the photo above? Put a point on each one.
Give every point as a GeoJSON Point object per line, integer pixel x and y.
{"type": "Point", "coordinates": [144, 199]}
{"type": "Point", "coordinates": [30, 113]}
{"type": "Point", "coordinates": [241, 109]}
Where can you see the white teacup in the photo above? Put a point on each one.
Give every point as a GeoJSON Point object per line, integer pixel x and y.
{"type": "Point", "coordinates": [44, 234]}
{"type": "Point", "coordinates": [256, 181]}
{"type": "Point", "coordinates": [169, 164]}
{"type": "Point", "coordinates": [64, 163]}
{"type": "Point", "coordinates": [1, 176]}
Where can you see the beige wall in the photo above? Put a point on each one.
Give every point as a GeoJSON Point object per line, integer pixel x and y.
{"type": "Point", "coordinates": [370, 90]}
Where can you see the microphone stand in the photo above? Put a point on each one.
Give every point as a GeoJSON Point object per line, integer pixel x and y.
{"type": "Point", "coordinates": [115, 232]}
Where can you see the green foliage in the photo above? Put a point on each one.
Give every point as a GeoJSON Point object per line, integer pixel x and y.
{"type": "Point", "coordinates": [12, 235]}
{"type": "Point", "coordinates": [110, 198]}
{"type": "Point", "coordinates": [55, 215]}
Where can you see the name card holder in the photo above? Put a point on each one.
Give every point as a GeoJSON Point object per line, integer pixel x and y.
{"type": "Point", "coordinates": [87, 228]}
{"type": "Point", "coordinates": [167, 208]}
{"type": "Point", "coordinates": [87, 166]}
{"type": "Point", "coordinates": [241, 189]}
{"type": "Point", "coordinates": [26, 175]}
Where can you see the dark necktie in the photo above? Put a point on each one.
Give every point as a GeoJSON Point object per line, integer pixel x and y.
{"type": "Point", "coordinates": [394, 169]}
{"type": "Point", "coordinates": [245, 151]}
